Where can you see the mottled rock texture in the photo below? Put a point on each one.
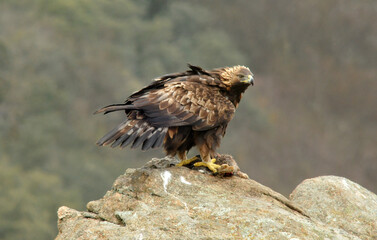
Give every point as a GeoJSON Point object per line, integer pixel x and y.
{"type": "Point", "coordinates": [161, 201]}
{"type": "Point", "coordinates": [339, 203]}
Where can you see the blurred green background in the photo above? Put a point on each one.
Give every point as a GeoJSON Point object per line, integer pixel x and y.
{"type": "Point", "coordinates": [312, 111]}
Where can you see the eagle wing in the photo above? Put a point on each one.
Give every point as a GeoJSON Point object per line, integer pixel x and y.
{"type": "Point", "coordinates": [183, 101]}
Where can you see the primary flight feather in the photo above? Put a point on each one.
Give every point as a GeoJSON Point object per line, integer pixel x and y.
{"type": "Point", "coordinates": [181, 110]}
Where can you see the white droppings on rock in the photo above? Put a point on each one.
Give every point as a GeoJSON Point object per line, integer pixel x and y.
{"type": "Point", "coordinates": [166, 176]}
{"type": "Point", "coordinates": [183, 180]}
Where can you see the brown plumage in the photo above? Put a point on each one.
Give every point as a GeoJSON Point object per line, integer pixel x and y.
{"type": "Point", "coordinates": [181, 110]}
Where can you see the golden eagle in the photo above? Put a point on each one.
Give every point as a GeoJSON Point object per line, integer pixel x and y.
{"type": "Point", "coordinates": [181, 110]}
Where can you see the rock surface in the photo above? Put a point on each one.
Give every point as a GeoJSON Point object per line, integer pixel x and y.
{"type": "Point", "coordinates": [340, 203]}
{"type": "Point", "coordinates": [161, 201]}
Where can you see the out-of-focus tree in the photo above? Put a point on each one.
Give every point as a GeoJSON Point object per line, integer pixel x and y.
{"type": "Point", "coordinates": [29, 201]}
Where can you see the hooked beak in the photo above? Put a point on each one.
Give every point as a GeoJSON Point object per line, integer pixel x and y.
{"type": "Point", "coordinates": [249, 80]}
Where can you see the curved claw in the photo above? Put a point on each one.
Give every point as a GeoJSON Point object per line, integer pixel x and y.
{"type": "Point", "coordinates": [210, 165]}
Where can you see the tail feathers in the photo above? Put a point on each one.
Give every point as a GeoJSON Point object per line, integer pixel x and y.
{"type": "Point", "coordinates": [113, 108]}
{"type": "Point", "coordinates": [121, 139]}
{"type": "Point", "coordinates": [131, 138]}
{"type": "Point", "coordinates": [134, 132]}
{"type": "Point", "coordinates": [142, 137]}
{"type": "Point", "coordinates": [160, 139]}
{"type": "Point", "coordinates": [153, 140]}
{"type": "Point", "coordinates": [114, 134]}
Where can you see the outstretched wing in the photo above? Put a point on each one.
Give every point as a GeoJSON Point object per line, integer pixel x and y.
{"type": "Point", "coordinates": [184, 101]}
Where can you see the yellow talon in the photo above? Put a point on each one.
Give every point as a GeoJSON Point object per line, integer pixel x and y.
{"type": "Point", "coordinates": [187, 161]}
{"type": "Point", "coordinates": [210, 165]}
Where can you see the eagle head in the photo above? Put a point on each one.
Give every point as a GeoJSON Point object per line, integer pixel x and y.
{"type": "Point", "coordinates": [237, 76]}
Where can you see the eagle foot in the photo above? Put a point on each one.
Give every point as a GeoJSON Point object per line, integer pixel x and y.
{"type": "Point", "coordinates": [187, 161]}
{"type": "Point", "coordinates": [211, 165]}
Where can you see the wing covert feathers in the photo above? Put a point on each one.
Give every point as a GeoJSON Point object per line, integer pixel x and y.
{"type": "Point", "coordinates": [193, 99]}
{"type": "Point", "coordinates": [187, 103]}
